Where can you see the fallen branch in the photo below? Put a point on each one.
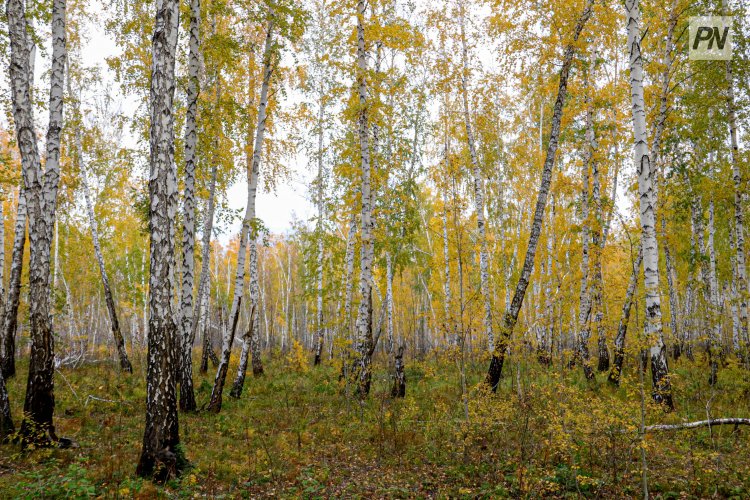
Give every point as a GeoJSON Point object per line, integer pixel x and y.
{"type": "Point", "coordinates": [94, 398]}
{"type": "Point", "coordinates": [699, 423]}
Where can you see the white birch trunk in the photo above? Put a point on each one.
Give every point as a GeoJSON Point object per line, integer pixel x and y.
{"type": "Point", "coordinates": [484, 272]}
{"type": "Point", "coordinates": [10, 317]}
{"type": "Point", "coordinates": [361, 372]}
{"type": "Point", "coordinates": [253, 175]}
{"type": "Point", "coordinates": [662, 391]}
{"type": "Point", "coordinates": [186, 333]}
{"type": "Point", "coordinates": [511, 315]}
{"type": "Point", "coordinates": [162, 455]}
{"type": "Point", "coordinates": [739, 216]}
{"type": "Point", "coordinates": [41, 185]}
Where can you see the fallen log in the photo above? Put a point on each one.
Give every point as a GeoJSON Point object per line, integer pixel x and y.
{"type": "Point", "coordinates": [699, 423]}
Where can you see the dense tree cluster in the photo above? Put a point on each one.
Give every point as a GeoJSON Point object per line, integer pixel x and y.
{"type": "Point", "coordinates": [491, 179]}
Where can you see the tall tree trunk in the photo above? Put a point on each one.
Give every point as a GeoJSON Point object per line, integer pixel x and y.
{"type": "Point", "coordinates": [41, 186]}
{"type": "Point", "coordinates": [349, 281]}
{"type": "Point", "coordinates": [115, 324]}
{"type": "Point", "coordinates": [714, 335]}
{"type": "Point", "coordinates": [253, 174]}
{"type": "Point", "coordinates": [10, 313]}
{"type": "Point", "coordinates": [584, 312]}
{"type": "Point", "coordinates": [187, 394]}
{"type": "Point", "coordinates": [361, 370]}
{"type": "Point", "coordinates": [662, 390]}
{"type": "Point", "coordinates": [204, 285]}
{"type": "Point", "coordinates": [674, 306]}
{"type": "Point", "coordinates": [6, 420]}
{"type": "Point", "coordinates": [162, 456]}
{"type": "Point", "coordinates": [319, 270]}
{"type": "Point", "coordinates": [484, 272]}
{"type": "Point", "coordinates": [739, 193]}
{"type": "Point", "coordinates": [511, 315]}
{"type": "Point", "coordinates": [389, 301]}
{"type": "Point", "coordinates": [616, 370]}
{"type": "Point", "coordinates": [597, 284]}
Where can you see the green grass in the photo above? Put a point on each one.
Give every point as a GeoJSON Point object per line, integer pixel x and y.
{"type": "Point", "coordinates": [297, 434]}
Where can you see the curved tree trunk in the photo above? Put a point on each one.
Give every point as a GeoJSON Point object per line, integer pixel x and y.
{"type": "Point", "coordinates": [662, 390]}
{"type": "Point", "coordinates": [162, 456]}
{"type": "Point", "coordinates": [115, 324]}
{"type": "Point", "coordinates": [116, 333]}
{"type": "Point", "coordinates": [10, 312]}
{"type": "Point", "coordinates": [511, 315]}
{"type": "Point", "coordinates": [253, 175]}
{"type": "Point", "coordinates": [187, 338]}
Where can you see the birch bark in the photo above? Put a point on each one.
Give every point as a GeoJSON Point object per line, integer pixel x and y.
{"type": "Point", "coordinates": [739, 216]}
{"type": "Point", "coordinates": [186, 336]}
{"type": "Point", "coordinates": [162, 457]}
{"type": "Point", "coordinates": [115, 324]}
{"type": "Point", "coordinates": [10, 313]}
{"type": "Point", "coordinates": [41, 188]}
{"type": "Point", "coordinates": [253, 174]}
{"type": "Point", "coordinates": [511, 315]}
{"type": "Point", "coordinates": [478, 185]}
{"type": "Point", "coordinates": [361, 370]}
{"type": "Point", "coordinates": [662, 391]}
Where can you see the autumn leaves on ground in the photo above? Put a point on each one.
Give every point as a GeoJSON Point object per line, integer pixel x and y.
{"type": "Point", "coordinates": [547, 432]}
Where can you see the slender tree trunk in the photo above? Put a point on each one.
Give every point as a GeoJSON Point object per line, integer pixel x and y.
{"type": "Point", "coordinates": [399, 380]}
{"type": "Point", "coordinates": [484, 272]}
{"type": "Point", "coordinates": [739, 193]}
{"type": "Point", "coordinates": [6, 420]}
{"type": "Point", "coordinates": [319, 270]}
{"type": "Point", "coordinates": [187, 338]}
{"type": "Point", "coordinates": [714, 335]}
{"type": "Point", "coordinates": [10, 313]}
{"type": "Point", "coordinates": [361, 370]}
{"type": "Point", "coordinates": [348, 279]}
{"type": "Point", "coordinates": [252, 190]}
{"type": "Point", "coordinates": [116, 333]}
{"type": "Point", "coordinates": [162, 456]}
{"type": "Point", "coordinates": [597, 284]}
{"type": "Point", "coordinates": [662, 390]}
{"type": "Point", "coordinates": [389, 301]}
{"type": "Point", "coordinates": [584, 312]}
{"type": "Point", "coordinates": [616, 370]}
{"type": "Point", "coordinates": [511, 315]}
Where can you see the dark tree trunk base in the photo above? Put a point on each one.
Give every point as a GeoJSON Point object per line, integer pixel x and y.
{"type": "Point", "coordinates": [399, 382]}
{"type": "Point", "coordinates": [603, 365]}
{"type": "Point", "coordinates": [495, 371]}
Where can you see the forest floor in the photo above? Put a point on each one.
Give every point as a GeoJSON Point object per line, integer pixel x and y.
{"type": "Point", "coordinates": [294, 433]}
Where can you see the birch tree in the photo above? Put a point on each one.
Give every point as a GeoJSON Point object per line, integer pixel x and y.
{"type": "Point", "coordinates": [253, 173]}
{"type": "Point", "coordinates": [162, 456]}
{"type": "Point", "coordinates": [662, 392]}
{"type": "Point", "coordinates": [10, 312]}
{"type": "Point", "coordinates": [361, 370]}
{"type": "Point", "coordinates": [511, 315]}
{"type": "Point", "coordinates": [187, 396]}
{"type": "Point", "coordinates": [41, 188]}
